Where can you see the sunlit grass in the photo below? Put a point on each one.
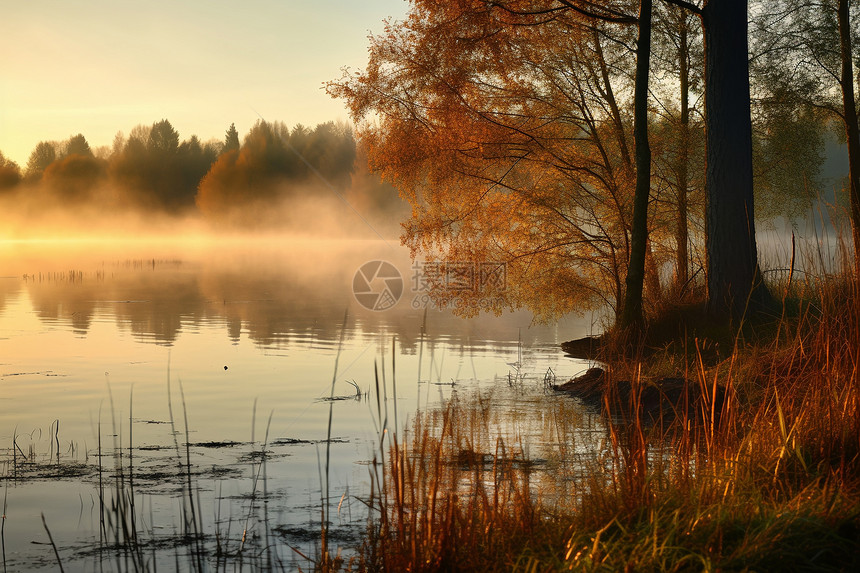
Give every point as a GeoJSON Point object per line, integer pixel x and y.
{"type": "Point", "coordinates": [767, 479]}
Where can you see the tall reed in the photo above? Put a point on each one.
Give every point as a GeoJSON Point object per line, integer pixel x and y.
{"type": "Point", "coordinates": [756, 465]}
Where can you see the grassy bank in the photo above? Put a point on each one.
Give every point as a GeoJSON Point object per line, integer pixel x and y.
{"type": "Point", "coordinates": [766, 479]}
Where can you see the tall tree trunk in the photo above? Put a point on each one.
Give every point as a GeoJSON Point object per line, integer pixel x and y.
{"type": "Point", "coordinates": [632, 311]}
{"type": "Point", "coordinates": [682, 274]}
{"type": "Point", "coordinates": [852, 131]}
{"type": "Point", "coordinates": [733, 277]}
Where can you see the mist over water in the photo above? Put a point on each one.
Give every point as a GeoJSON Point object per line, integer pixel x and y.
{"type": "Point", "coordinates": [324, 214]}
{"type": "Point", "coordinates": [266, 287]}
{"type": "Point", "coordinates": [96, 335]}
{"type": "Point", "coordinates": [277, 181]}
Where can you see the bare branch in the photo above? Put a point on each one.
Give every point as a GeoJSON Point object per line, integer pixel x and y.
{"type": "Point", "coordinates": [582, 7]}
{"type": "Point", "coordinates": [686, 5]}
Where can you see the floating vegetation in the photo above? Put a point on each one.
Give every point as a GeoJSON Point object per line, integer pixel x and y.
{"type": "Point", "coordinates": [217, 444]}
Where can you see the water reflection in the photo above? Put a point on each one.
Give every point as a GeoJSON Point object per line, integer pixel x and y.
{"type": "Point", "coordinates": [277, 295]}
{"type": "Point", "coordinates": [90, 332]}
{"type": "Point", "coordinates": [9, 287]}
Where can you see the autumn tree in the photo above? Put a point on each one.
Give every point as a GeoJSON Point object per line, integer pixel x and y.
{"type": "Point", "coordinates": [156, 171]}
{"type": "Point", "coordinates": [193, 161]}
{"type": "Point", "coordinates": [74, 177]}
{"type": "Point", "coordinates": [786, 145]}
{"type": "Point", "coordinates": [42, 155]}
{"type": "Point", "coordinates": [10, 173]}
{"type": "Point", "coordinates": [275, 164]}
{"type": "Point", "coordinates": [509, 131]}
{"type": "Point", "coordinates": [459, 89]}
{"type": "Point", "coordinates": [734, 279]}
{"type": "Point", "coordinates": [129, 166]}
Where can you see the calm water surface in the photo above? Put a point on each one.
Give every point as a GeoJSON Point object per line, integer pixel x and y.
{"type": "Point", "coordinates": [122, 342]}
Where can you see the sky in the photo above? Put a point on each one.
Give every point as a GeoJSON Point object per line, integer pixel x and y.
{"type": "Point", "coordinates": [97, 67]}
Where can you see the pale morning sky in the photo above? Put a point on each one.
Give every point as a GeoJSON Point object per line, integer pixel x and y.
{"type": "Point", "coordinates": [101, 66]}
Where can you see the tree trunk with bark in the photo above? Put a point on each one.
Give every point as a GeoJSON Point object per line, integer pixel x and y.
{"type": "Point", "coordinates": [734, 280]}
{"type": "Point", "coordinates": [631, 314]}
{"type": "Point", "coordinates": [852, 130]}
{"type": "Point", "coordinates": [682, 264]}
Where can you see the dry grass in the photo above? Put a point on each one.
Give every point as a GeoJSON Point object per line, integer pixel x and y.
{"type": "Point", "coordinates": [766, 479]}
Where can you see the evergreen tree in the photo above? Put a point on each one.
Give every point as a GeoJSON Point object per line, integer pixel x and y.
{"type": "Point", "coordinates": [231, 141]}
{"type": "Point", "coordinates": [77, 145]}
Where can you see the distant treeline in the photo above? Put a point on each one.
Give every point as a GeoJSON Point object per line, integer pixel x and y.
{"type": "Point", "coordinates": [152, 169]}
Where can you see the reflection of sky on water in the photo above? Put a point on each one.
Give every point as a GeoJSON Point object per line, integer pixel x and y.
{"type": "Point", "coordinates": [272, 315]}
{"type": "Point", "coordinates": [89, 336]}
{"type": "Point", "coordinates": [277, 296]}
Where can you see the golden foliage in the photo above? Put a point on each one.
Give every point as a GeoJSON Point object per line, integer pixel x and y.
{"type": "Point", "coordinates": [509, 135]}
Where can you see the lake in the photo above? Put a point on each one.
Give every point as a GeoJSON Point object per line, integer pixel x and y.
{"type": "Point", "coordinates": [198, 353]}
